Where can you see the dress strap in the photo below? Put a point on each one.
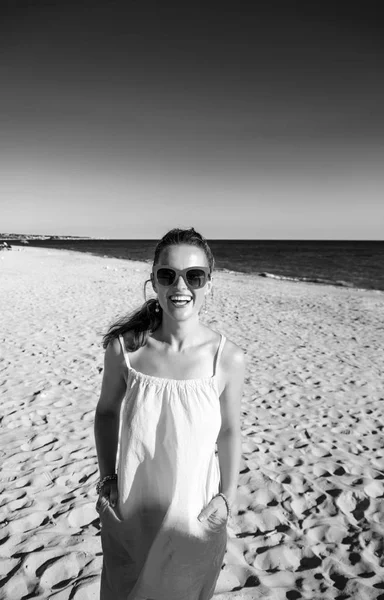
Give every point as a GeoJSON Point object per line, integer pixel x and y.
{"type": "Point", "coordinates": [219, 351]}
{"type": "Point", "coordinates": [124, 351]}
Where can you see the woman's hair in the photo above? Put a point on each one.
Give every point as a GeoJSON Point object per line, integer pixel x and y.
{"type": "Point", "coordinates": [145, 320]}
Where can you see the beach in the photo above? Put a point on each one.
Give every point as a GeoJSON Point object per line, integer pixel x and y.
{"type": "Point", "coordinates": [309, 516]}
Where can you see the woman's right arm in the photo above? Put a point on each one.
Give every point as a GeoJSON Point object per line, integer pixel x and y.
{"type": "Point", "coordinates": [106, 426]}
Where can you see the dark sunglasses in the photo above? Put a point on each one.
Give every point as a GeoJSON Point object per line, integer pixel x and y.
{"type": "Point", "coordinates": [195, 277]}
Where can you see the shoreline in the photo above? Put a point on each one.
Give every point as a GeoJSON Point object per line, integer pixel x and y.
{"type": "Point", "coordinates": [309, 515]}
{"type": "Point", "coordinates": [262, 274]}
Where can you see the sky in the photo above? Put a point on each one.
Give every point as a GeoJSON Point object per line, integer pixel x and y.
{"type": "Point", "coordinates": [255, 121]}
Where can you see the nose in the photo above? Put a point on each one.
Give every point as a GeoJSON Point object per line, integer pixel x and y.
{"type": "Point", "coordinates": [183, 285]}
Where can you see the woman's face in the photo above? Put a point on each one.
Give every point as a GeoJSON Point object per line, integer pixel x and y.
{"type": "Point", "coordinates": [182, 257]}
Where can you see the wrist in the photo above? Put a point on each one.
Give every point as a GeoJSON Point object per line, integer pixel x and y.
{"type": "Point", "coordinates": [100, 483]}
{"type": "Point", "coordinates": [224, 497]}
{"type": "Point", "coordinates": [230, 496]}
{"type": "Point", "coordinates": [106, 473]}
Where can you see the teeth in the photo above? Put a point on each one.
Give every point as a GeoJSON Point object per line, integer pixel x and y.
{"type": "Point", "coordinates": [182, 298]}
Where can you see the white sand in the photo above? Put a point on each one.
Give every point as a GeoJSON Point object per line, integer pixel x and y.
{"type": "Point", "coordinates": [309, 520]}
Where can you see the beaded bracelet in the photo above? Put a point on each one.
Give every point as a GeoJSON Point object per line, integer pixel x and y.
{"type": "Point", "coordinates": [100, 484]}
{"type": "Point", "coordinates": [227, 503]}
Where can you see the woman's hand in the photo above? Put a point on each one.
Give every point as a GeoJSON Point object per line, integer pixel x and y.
{"type": "Point", "coordinates": [216, 508]}
{"type": "Point", "coordinates": [109, 492]}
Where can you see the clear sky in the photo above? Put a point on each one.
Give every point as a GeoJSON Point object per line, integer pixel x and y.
{"type": "Point", "coordinates": [124, 119]}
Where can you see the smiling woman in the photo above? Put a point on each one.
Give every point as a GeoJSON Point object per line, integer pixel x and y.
{"type": "Point", "coordinates": [195, 277]}
{"type": "Point", "coordinates": [181, 384]}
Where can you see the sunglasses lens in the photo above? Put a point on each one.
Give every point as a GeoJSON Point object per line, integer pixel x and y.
{"type": "Point", "coordinates": [165, 276]}
{"type": "Point", "coordinates": [196, 278]}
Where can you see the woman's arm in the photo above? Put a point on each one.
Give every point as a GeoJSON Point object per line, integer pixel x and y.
{"type": "Point", "coordinates": [229, 439]}
{"type": "Point", "coordinates": [106, 425]}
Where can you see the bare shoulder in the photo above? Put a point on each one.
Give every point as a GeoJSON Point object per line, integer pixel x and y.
{"type": "Point", "coordinates": [233, 356]}
{"type": "Point", "coordinates": [113, 385]}
{"type": "Point", "coordinates": [114, 356]}
{"type": "Point", "coordinates": [232, 377]}
{"type": "Point", "coordinates": [231, 368]}
{"type": "Point", "coordinates": [114, 347]}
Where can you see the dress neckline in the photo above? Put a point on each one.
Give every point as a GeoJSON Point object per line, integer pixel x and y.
{"type": "Point", "coordinates": [193, 382]}
{"type": "Point", "coordinates": [141, 375]}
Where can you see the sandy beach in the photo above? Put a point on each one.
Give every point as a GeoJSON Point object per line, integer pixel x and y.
{"type": "Point", "coordinates": [309, 517]}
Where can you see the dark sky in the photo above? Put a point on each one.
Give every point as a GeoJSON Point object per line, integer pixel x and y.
{"type": "Point", "coordinates": [269, 115]}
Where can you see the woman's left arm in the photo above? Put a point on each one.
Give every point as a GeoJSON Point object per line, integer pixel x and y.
{"type": "Point", "coordinates": [229, 438]}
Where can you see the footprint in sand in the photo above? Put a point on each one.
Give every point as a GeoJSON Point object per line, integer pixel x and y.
{"type": "Point", "coordinates": [282, 558]}
{"type": "Point", "coordinates": [27, 522]}
{"type": "Point", "coordinates": [39, 441]}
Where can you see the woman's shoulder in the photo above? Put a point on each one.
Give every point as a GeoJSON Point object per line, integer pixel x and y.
{"type": "Point", "coordinates": [232, 353]}
{"type": "Point", "coordinates": [232, 364]}
{"type": "Point", "coordinates": [113, 347]}
{"type": "Point", "coordinates": [114, 354]}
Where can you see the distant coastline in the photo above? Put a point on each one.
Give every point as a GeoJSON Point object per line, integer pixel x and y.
{"type": "Point", "coordinates": [9, 237]}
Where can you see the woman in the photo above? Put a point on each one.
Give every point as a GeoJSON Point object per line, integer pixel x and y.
{"type": "Point", "coordinates": [181, 383]}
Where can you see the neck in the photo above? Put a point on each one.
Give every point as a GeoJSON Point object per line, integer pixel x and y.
{"type": "Point", "coordinates": [179, 335]}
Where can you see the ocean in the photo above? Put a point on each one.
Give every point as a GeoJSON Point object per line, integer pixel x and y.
{"type": "Point", "coordinates": [358, 264]}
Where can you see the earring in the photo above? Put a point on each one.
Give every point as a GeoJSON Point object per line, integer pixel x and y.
{"type": "Point", "coordinates": [157, 309]}
{"type": "Point", "coordinates": [205, 305]}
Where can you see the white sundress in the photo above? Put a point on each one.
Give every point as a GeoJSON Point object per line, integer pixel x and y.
{"type": "Point", "coordinates": [154, 547]}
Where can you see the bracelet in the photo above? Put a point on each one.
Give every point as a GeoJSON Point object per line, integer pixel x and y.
{"type": "Point", "coordinates": [227, 504]}
{"type": "Point", "coordinates": [100, 483]}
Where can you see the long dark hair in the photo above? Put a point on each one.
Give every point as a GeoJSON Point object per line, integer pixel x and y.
{"type": "Point", "coordinates": [145, 320]}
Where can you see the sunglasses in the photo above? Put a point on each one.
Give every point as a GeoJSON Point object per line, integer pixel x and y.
{"type": "Point", "coordinates": [194, 277]}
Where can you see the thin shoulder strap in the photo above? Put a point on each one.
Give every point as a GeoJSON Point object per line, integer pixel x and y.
{"type": "Point", "coordinates": [124, 351]}
{"type": "Point", "coordinates": [219, 351]}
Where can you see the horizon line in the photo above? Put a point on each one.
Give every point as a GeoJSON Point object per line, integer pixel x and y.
{"type": "Point", "coordinates": [53, 237]}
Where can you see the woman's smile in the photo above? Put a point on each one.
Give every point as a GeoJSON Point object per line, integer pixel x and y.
{"type": "Point", "coordinates": [180, 300]}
